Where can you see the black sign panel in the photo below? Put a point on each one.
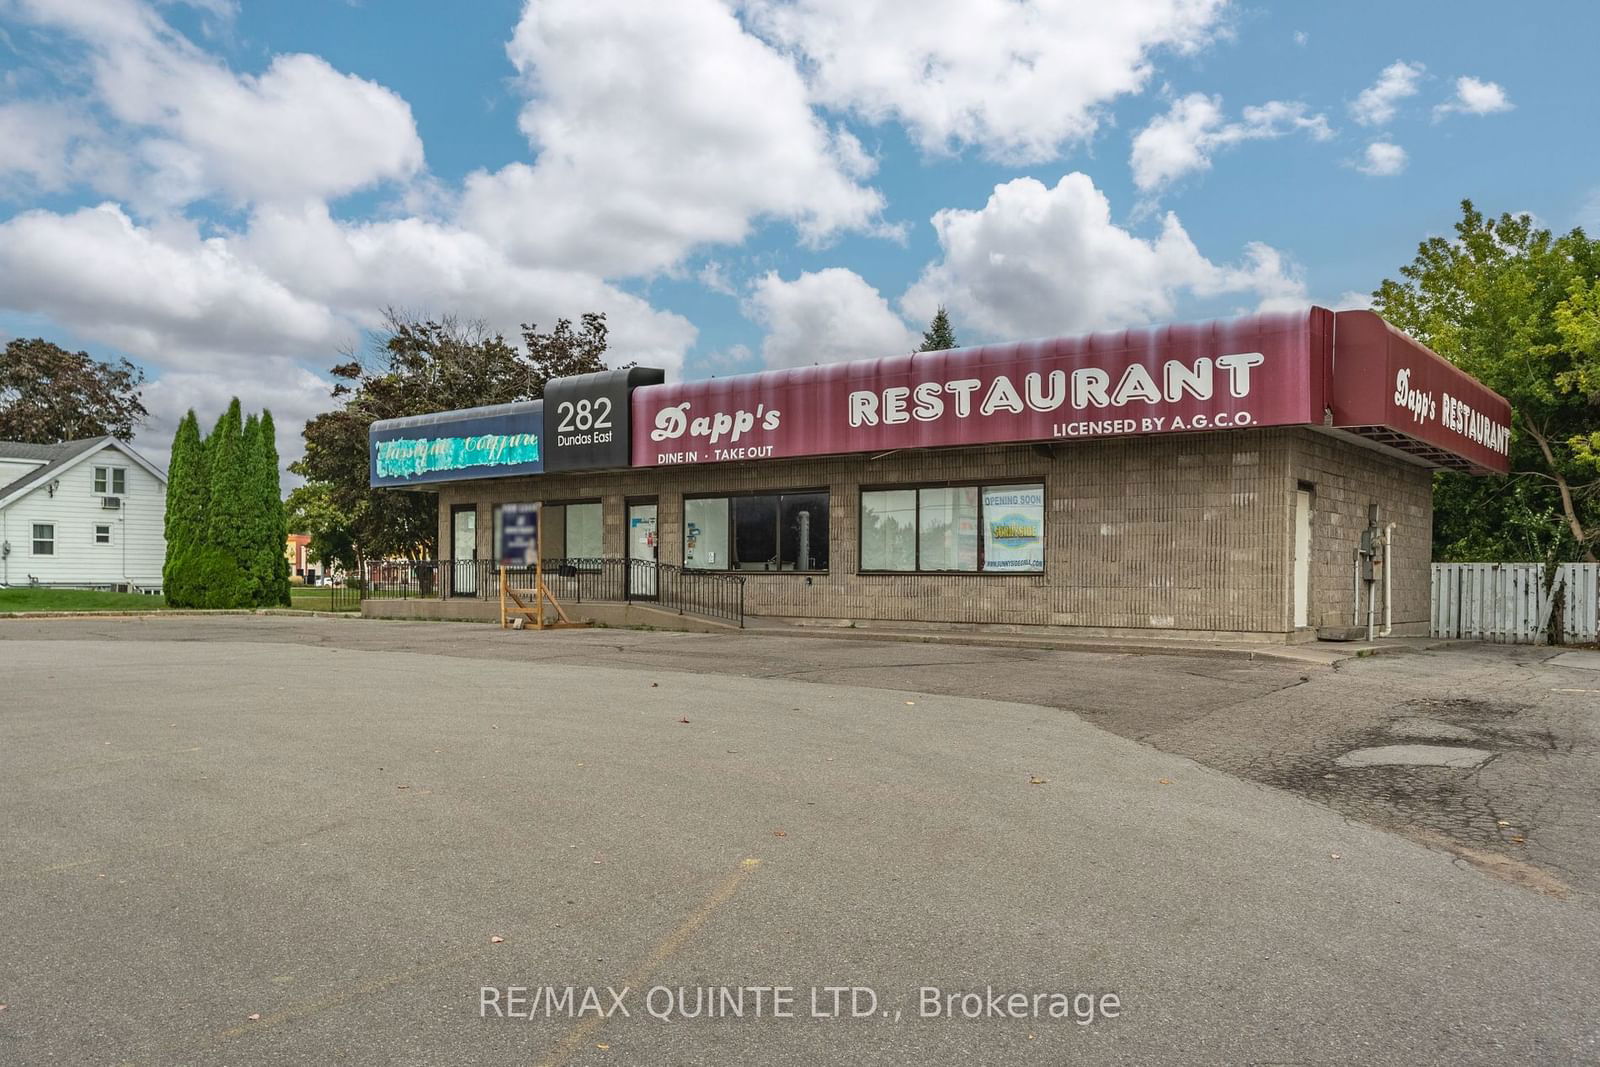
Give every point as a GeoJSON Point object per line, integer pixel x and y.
{"type": "Point", "coordinates": [587, 419]}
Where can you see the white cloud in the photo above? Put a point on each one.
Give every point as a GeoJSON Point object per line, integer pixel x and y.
{"type": "Point", "coordinates": [1302, 38]}
{"type": "Point", "coordinates": [1037, 261]}
{"type": "Point", "coordinates": [1353, 300]}
{"type": "Point", "coordinates": [1019, 79]}
{"type": "Point", "coordinates": [1377, 104]}
{"type": "Point", "coordinates": [714, 276]}
{"type": "Point", "coordinates": [1184, 139]}
{"type": "Point", "coordinates": [196, 129]}
{"type": "Point", "coordinates": [246, 314]}
{"type": "Point", "coordinates": [825, 317]}
{"type": "Point", "coordinates": [44, 146]}
{"type": "Point", "coordinates": [434, 268]}
{"type": "Point", "coordinates": [730, 360]}
{"type": "Point", "coordinates": [162, 294]}
{"type": "Point", "coordinates": [1589, 211]}
{"type": "Point", "coordinates": [159, 124]}
{"type": "Point", "coordinates": [1475, 97]}
{"type": "Point", "coordinates": [659, 128]}
{"type": "Point", "coordinates": [291, 392]}
{"type": "Point", "coordinates": [1382, 159]}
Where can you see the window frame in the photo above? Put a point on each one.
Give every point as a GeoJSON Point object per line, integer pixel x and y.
{"type": "Point", "coordinates": [35, 541]}
{"type": "Point", "coordinates": [777, 495]}
{"type": "Point", "coordinates": [104, 480]}
{"type": "Point", "coordinates": [916, 538]}
{"type": "Point", "coordinates": [566, 524]}
{"type": "Point", "coordinates": [106, 526]}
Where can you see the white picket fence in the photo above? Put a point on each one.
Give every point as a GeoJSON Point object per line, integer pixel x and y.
{"type": "Point", "coordinates": [1509, 603]}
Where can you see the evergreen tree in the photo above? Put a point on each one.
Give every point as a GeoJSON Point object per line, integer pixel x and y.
{"type": "Point", "coordinates": [256, 524]}
{"type": "Point", "coordinates": [274, 565]}
{"type": "Point", "coordinates": [939, 335]}
{"type": "Point", "coordinates": [187, 491]}
{"type": "Point", "coordinates": [222, 575]}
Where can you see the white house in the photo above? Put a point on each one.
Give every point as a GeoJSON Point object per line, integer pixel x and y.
{"type": "Point", "coordinates": [81, 513]}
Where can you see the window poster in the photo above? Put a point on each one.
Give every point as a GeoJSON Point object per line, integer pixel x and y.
{"type": "Point", "coordinates": [1013, 528]}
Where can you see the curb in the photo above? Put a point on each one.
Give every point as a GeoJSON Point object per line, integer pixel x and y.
{"type": "Point", "coordinates": [1305, 655]}
{"type": "Point", "coordinates": [169, 613]}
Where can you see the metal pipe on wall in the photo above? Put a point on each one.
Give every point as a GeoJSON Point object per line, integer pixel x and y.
{"type": "Point", "coordinates": [1355, 587]}
{"type": "Point", "coordinates": [1388, 581]}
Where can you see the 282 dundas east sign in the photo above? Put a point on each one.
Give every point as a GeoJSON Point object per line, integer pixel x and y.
{"type": "Point", "coordinates": [1261, 371]}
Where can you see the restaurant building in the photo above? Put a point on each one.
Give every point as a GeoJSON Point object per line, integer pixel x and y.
{"type": "Point", "coordinates": [1265, 478]}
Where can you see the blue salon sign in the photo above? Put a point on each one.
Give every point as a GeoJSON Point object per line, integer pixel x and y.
{"type": "Point", "coordinates": [488, 442]}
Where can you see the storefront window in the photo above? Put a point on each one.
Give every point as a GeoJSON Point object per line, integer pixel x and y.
{"type": "Point", "coordinates": [571, 531]}
{"type": "Point", "coordinates": [947, 529]}
{"type": "Point", "coordinates": [803, 530]}
{"type": "Point", "coordinates": [769, 532]}
{"type": "Point", "coordinates": [888, 530]}
{"type": "Point", "coordinates": [705, 533]}
{"type": "Point", "coordinates": [583, 531]}
{"type": "Point", "coordinates": [992, 528]}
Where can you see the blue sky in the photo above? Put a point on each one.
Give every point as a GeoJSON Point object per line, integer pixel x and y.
{"type": "Point", "coordinates": [230, 193]}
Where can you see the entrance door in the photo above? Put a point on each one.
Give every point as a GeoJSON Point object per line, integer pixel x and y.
{"type": "Point", "coordinates": [464, 550]}
{"type": "Point", "coordinates": [1302, 558]}
{"type": "Point", "coordinates": [641, 548]}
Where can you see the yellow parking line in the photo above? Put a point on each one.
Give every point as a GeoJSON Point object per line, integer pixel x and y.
{"type": "Point", "coordinates": [663, 951]}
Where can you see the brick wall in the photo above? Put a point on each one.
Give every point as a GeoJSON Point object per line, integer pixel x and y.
{"type": "Point", "coordinates": [1178, 535]}
{"type": "Point", "coordinates": [1345, 478]}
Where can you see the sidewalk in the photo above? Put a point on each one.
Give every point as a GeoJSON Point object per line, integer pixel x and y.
{"type": "Point", "coordinates": [1315, 653]}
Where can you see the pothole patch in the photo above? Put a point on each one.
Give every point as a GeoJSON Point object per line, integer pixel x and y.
{"type": "Point", "coordinates": [1452, 756]}
{"type": "Point", "coordinates": [1430, 730]}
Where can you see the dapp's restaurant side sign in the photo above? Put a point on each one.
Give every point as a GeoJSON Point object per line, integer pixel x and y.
{"type": "Point", "coordinates": [1264, 370]}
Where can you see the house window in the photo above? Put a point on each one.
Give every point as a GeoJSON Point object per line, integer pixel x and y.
{"type": "Point", "coordinates": [766, 532]}
{"type": "Point", "coordinates": [995, 529]}
{"type": "Point", "coordinates": [110, 481]}
{"type": "Point", "coordinates": [44, 539]}
{"type": "Point", "coordinates": [102, 534]}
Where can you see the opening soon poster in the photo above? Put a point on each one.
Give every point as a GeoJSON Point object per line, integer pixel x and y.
{"type": "Point", "coordinates": [1013, 528]}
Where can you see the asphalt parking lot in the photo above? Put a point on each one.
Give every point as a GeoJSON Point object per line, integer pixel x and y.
{"type": "Point", "coordinates": [280, 840]}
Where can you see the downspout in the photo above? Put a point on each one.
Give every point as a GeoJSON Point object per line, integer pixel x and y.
{"type": "Point", "coordinates": [1355, 587]}
{"type": "Point", "coordinates": [1388, 580]}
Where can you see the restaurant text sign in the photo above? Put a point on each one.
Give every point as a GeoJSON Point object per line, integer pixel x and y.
{"type": "Point", "coordinates": [1261, 371]}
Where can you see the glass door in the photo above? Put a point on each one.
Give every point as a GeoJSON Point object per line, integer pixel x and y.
{"type": "Point", "coordinates": [642, 549]}
{"type": "Point", "coordinates": [464, 550]}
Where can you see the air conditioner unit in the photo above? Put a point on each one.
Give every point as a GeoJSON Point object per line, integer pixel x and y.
{"type": "Point", "coordinates": [112, 503]}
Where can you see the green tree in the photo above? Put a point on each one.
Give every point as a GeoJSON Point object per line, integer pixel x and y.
{"type": "Point", "coordinates": [1513, 305]}
{"type": "Point", "coordinates": [311, 511]}
{"type": "Point", "coordinates": [222, 571]}
{"type": "Point", "coordinates": [49, 395]}
{"type": "Point", "coordinates": [418, 368]}
{"type": "Point", "coordinates": [272, 567]}
{"type": "Point", "coordinates": [939, 335]}
{"type": "Point", "coordinates": [188, 488]}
